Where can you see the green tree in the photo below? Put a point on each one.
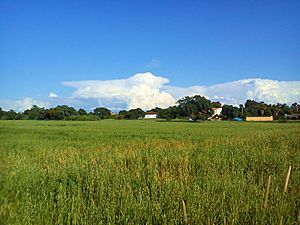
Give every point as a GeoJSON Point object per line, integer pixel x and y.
{"type": "Point", "coordinates": [230, 112]}
{"type": "Point", "coordinates": [279, 111]}
{"type": "Point", "coordinates": [134, 114]}
{"type": "Point", "coordinates": [67, 110]}
{"type": "Point", "coordinates": [82, 112]}
{"type": "Point", "coordinates": [122, 114]}
{"type": "Point", "coordinates": [35, 113]}
{"type": "Point", "coordinates": [216, 104]}
{"type": "Point", "coordinates": [102, 113]}
{"type": "Point", "coordinates": [253, 108]}
{"type": "Point", "coordinates": [295, 108]}
{"type": "Point", "coordinates": [170, 113]}
{"type": "Point", "coordinates": [193, 106]}
{"type": "Point", "coordinates": [12, 115]}
{"type": "Point", "coordinates": [1, 113]}
{"type": "Point", "coordinates": [55, 114]}
{"type": "Point", "coordinates": [60, 112]}
{"type": "Point", "coordinates": [160, 112]}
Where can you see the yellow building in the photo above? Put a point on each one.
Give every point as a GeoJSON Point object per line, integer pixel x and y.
{"type": "Point", "coordinates": [259, 118]}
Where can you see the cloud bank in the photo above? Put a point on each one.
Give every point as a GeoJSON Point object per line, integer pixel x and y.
{"type": "Point", "coordinates": [21, 105]}
{"type": "Point", "coordinates": [146, 90]}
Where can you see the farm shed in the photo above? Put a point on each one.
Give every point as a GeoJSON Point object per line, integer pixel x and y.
{"type": "Point", "coordinates": [151, 115]}
{"type": "Point", "coordinates": [259, 118]}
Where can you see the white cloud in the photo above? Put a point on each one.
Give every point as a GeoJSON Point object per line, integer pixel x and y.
{"type": "Point", "coordinates": [52, 95]}
{"type": "Point", "coordinates": [268, 91]}
{"type": "Point", "coordinates": [142, 90]}
{"type": "Point", "coordinates": [21, 104]}
{"type": "Point", "coordinates": [147, 91]}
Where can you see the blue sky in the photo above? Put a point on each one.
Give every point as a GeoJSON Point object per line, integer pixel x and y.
{"type": "Point", "coordinates": [190, 43]}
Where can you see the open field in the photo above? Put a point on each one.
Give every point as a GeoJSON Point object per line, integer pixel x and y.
{"type": "Point", "coordinates": [138, 172]}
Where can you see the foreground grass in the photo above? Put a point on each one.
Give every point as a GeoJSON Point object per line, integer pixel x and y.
{"type": "Point", "coordinates": [145, 172]}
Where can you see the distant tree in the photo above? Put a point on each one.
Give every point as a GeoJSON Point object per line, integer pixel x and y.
{"type": "Point", "coordinates": [12, 115]}
{"type": "Point", "coordinates": [170, 113]}
{"type": "Point", "coordinates": [242, 109]}
{"type": "Point", "coordinates": [251, 108]}
{"type": "Point", "coordinates": [82, 112]}
{"type": "Point", "coordinates": [133, 114]}
{"type": "Point", "coordinates": [186, 106]}
{"type": "Point", "coordinates": [67, 110]}
{"type": "Point", "coordinates": [35, 113]}
{"type": "Point", "coordinates": [295, 108]}
{"type": "Point", "coordinates": [1, 113]}
{"type": "Point", "coordinates": [230, 112]}
{"type": "Point", "coordinates": [160, 112]}
{"type": "Point", "coordinates": [196, 105]}
{"type": "Point", "coordinates": [102, 113]}
{"type": "Point", "coordinates": [216, 104]}
{"type": "Point", "coordinates": [60, 112]}
{"type": "Point", "coordinates": [122, 114]}
{"type": "Point", "coordinates": [55, 114]}
{"type": "Point", "coordinates": [264, 109]}
{"type": "Point", "coordinates": [279, 111]}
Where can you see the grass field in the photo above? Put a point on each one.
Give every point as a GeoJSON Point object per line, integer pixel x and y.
{"type": "Point", "coordinates": [146, 172]}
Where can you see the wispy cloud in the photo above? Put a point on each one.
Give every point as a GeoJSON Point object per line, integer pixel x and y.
{"type": "Point", "coordinates": [154, 63]}
{"type": "Point", "coordinates": [52, 95]}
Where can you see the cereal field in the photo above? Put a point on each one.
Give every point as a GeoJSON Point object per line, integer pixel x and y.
{"type": "Point", "coordinates": [147, 172]}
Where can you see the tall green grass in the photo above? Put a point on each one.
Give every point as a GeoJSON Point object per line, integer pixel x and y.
{"type": "Point", "coordinates": [146, 172]}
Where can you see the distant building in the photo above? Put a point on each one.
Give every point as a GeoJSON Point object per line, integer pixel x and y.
{"type": "Point", "coordinates": [215, 117]}
{"type": "Point", "coordinates": [216, 114]}
{"type": "Point", "coordinates": [259, 118]}
{"type": "Point", "coordinates": [151, 115]}
{"type": "Point", "coordinates": [293, 117]}
{"type": "Point", "coordinates": [217, 111]}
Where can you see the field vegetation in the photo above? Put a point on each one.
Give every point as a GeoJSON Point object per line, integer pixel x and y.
{"type": "Point", "coordinates": [147, 172]}
{"type": "Point", "coordinates": [196, 108]}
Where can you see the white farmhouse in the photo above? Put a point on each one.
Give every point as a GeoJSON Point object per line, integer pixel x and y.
{"type": "Point", "coordinates": [216, 114]}
{"type": "Point", "coordinates": [217, 111]}
{"type": "Point", "coordinates": [151, 115]}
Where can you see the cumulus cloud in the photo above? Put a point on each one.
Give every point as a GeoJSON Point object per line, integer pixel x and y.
{"type": "Point", "coordinates": [21, 104]}
{"type": "Point", "coordinates": [147, 91]}
{"type": "Point", "coordinates": [268, 91]}
{"type": "Point", "coordinates": [52, 95]}
{"type": "Point", "coordinates": [142, 90]}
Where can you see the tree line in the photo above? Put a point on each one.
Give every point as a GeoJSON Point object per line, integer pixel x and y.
{"type": "Point", "coordinates": [195, 108]}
